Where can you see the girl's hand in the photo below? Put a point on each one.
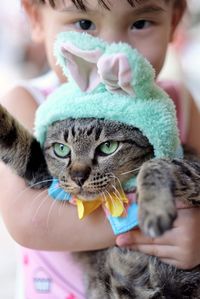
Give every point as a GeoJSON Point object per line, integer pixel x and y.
{"type": "Point", "coordinates": [179, 246]}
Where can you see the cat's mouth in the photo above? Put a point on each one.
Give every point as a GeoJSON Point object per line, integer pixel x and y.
{"type": "Point", "coordinates": [91, 190]}
{"type": "Point", "coordinates": [87, 194]}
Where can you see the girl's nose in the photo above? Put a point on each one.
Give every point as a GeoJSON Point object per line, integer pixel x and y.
{"type": "Point", "coordinates": [110, 36]}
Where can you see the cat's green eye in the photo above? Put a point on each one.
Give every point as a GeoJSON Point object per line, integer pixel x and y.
{"type": "Point", "coordinates": [61, 150]}
{"type": "Point", "coordinates": [108, 147]}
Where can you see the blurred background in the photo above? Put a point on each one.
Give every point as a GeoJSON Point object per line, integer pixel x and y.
{"type": "Point", "coordinates": [20, 58]}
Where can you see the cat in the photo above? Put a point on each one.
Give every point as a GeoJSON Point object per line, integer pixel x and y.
{"type": "Point", "coordinates": [89, 156]}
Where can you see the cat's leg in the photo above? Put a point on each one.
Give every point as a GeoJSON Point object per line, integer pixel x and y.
{"type": "Point", "coordinates": [160, 182]}
{"type": "Point", "coordinates": [95, 275]}
{"type": "Point", "coordinates": [21, 151]}
{"type": "Point", "coordinates": [96, 293]}
{"type": "Point", "coordinates": [97, 285]}
{"type": "Point", "coordinates": [121, 292]}
{"type": "Point", "coordinates": [187, 180]}
{"type": "Point", "coordinates": [130, 275]}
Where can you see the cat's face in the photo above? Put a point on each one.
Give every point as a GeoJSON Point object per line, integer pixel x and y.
{"type": "Point", "coordinates": [91, 156]}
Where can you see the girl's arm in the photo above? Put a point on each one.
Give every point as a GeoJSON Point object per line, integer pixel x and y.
{"type": "Point", "coordinates": [32, 218]}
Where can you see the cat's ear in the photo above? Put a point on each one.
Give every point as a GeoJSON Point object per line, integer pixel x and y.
{"type": "Point", "coordinates": [82, 65]}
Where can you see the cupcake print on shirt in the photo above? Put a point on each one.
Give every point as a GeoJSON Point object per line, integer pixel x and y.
{"type": "Point", "coordinates": [42, 281]}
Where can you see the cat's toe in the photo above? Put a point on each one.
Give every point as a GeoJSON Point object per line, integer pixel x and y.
{"type": "Point", "coordinates": [156, 216]}
{"type": "Point", "coordinates": [155, 224]}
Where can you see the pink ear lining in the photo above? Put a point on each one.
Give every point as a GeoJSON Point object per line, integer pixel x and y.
{"type": "Point", "coordinates": [88, 55]}
{"type": "Point", "coordinates": [115, 71]}
{"type": "Point", "coordinates": [90, 67]}
{"type": "Point", "coordinates": [82, 66]}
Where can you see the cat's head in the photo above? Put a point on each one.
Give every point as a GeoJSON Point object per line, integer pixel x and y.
{"type": "Point", "coordinates": [94, 156]}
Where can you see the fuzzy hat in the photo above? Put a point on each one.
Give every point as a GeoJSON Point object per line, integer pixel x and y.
{"type": "Point", "coordinates": [110, 81]}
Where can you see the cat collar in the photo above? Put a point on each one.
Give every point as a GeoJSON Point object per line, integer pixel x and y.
{"type": "Point", "coordinates": [120, 208]}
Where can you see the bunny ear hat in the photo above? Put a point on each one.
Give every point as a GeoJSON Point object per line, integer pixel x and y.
{"type": "Point", "coordinates": [110, 81]}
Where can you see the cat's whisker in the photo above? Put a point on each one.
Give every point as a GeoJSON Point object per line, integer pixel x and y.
{"type": "Point", "coordinates": [27, 189]}
{"type": "Point", "coordinates": [118, 180]}
{"type": "Point", "coordinates": [61, 204]}
{"type": "Point", "coordinates": [104, 196]}
{"type": "Point", "coordinates": [117, 194]}
{"type": "Point", "coordinates": [112, 199]}
{"type": "Point", "coordinates": [125, 211]}
{"type": "Point", "coordinates": [39, 207]}
{"type": "Point", "coordinates": [53, 189]}
{"type": "Point", "coordinates": [130, 171]}
{"type": "Point", "coordinates": [120, 197]}
{"type": "Point", "coordinates": [43, 181]}
{"type": "Point", "coordinates": [38, 196]}
{"type": "Point", "coordinates": [19, 195]}
{"type": "Point", "coordinates": [116, 190]}
{"type": "Point", "coordinates": [49, 213]}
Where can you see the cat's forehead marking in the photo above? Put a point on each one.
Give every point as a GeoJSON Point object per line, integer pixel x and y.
{"type": "Point", "coordinates": [82, 129]}
{"type": "Point", "coordinates": [87, 133]}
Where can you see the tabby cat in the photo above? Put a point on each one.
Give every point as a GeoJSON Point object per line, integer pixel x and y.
{"type": "Point", "coordinates": [93, 156]}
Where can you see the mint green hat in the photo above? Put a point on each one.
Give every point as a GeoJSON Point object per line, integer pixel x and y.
{"type": "Point", "coordinates": [110, 81]}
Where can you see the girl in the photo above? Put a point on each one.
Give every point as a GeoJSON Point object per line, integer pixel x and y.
{"type": "Point", "coordinates": [148, 26]}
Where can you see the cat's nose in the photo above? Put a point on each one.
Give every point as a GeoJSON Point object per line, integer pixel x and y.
{"type": "Point", "coordinates": [80, 174]}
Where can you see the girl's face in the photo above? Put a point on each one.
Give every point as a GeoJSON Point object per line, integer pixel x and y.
{"type": "Point", "coordinates": [148, 26]}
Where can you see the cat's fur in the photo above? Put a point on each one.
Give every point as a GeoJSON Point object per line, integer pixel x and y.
{"type": "Point", "coordinates": [112, 273]}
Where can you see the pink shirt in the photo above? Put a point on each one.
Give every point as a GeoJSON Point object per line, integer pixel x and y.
{"type": "Point", "coordinates": [55, 275]}
{"type": "Point", "coordinates": [51, 275]}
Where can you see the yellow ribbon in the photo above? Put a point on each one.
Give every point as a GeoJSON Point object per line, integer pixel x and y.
{"type": "Point", "coordinates": [114, 203]}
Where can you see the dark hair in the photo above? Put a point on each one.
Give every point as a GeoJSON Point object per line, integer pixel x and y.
{"type": "Point", "coordinates": [81, 3]}
{"type": "Point", "coordinates": [105, 3]}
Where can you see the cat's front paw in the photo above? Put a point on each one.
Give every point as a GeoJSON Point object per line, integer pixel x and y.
{"type": "Point", "coordinates": [157, 212]}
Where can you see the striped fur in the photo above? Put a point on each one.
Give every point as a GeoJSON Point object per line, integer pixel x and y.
{"type": "Point", "coordinates": [20, 150]}
{"type": "Point", "coordinates": [112, 273]}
